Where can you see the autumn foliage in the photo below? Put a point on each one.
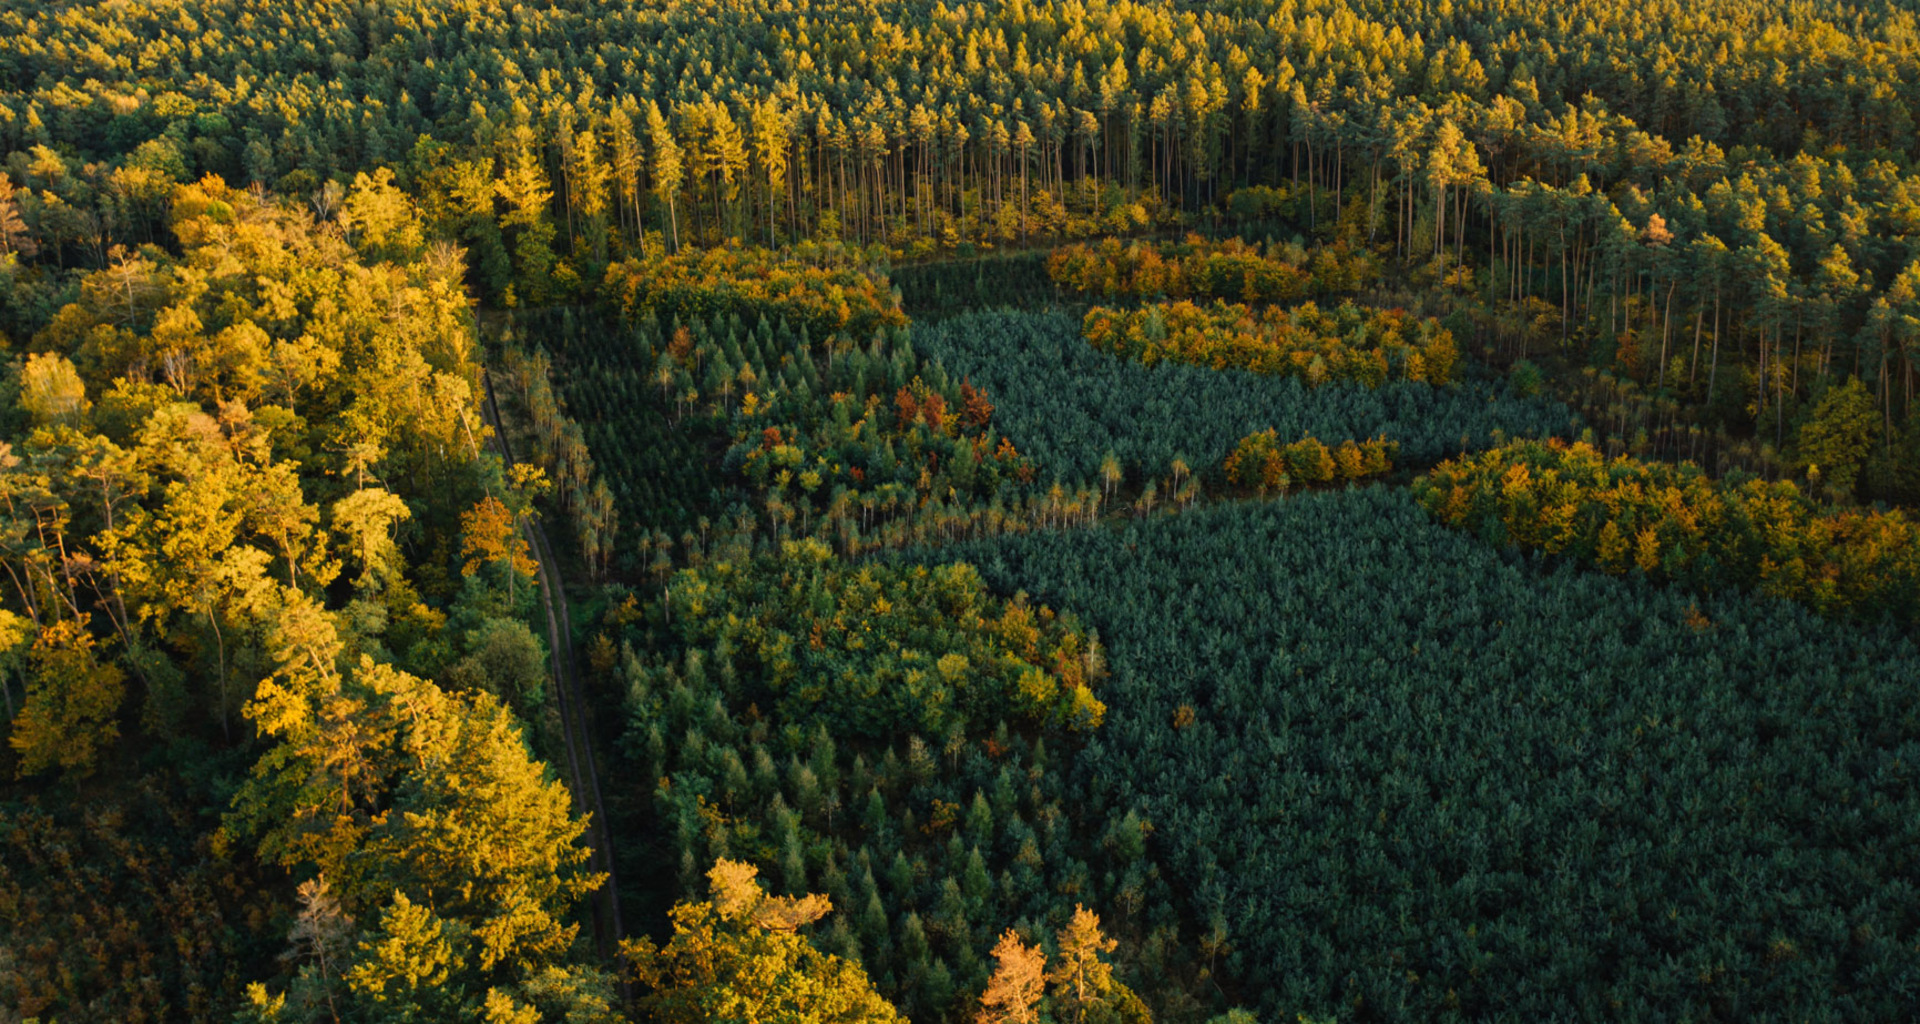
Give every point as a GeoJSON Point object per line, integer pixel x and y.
{"type": "Point", "coordinates": [825, 293]}
{"type": "Point", "coordinates": [738, 956]}
{"type": "Point", "coordinates": [1261, 461]}
{"type": "Point", "coordinates": [68, 719]}
{"type": "Point", "coordinates": [1076, 985]}
{"type": "Point", "coordinates": [1677, 522]}
{"type": "Point", "coordinates": [976, 408]}
{"type": "Point", "coordinates": [1196, 268]}
{"type": "Point", "coordinates": [1347, 343]}
{"type": "Point", "coordinates": [1019, 978]}
{"type": "Point", "coordinates": [490, 534]}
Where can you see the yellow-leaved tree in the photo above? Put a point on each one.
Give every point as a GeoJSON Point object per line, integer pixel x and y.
{"type": "Point", "coordinates": [738, 955]}
{"type": "Point", "coordinates": [72, 697]}
{"type": "Point", "coordinates": [1084, 988]}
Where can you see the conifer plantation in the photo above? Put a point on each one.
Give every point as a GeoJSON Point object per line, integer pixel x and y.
{"type": "Point", "coordinates": [1004, 512]}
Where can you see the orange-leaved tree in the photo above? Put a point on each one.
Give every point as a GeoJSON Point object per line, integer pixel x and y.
{"type": "Point", "coordinates": [1019, 976]}
{"type": "Point", "coordinates": [489, 534]}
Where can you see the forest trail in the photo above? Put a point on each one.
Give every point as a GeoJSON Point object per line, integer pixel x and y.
{"type": "Point", "coordinates": [575, 717]}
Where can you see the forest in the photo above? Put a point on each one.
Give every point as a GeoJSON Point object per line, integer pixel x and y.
{"type": "Point", "coordinates": [1236, 512]}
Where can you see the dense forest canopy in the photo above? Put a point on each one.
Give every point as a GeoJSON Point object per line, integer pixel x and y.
{"type": "Point", "coordinates": [1403, 776]}
{"type": "Point", "coordinates": [861, 510]}
{"type": "Point", "coordinates": [1074, 405]}
{"type": "Point", "coordinates": [1699, 190]}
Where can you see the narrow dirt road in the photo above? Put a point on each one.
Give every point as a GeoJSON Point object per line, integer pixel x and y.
{"type": "Point", "coordinates": [575, 716]}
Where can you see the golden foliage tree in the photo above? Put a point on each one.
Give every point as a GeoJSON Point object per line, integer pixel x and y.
{"type": "Point", "coordinates": [482, 830]}
{"type": "Point", "coordinates": [412, 950]}
{"type": "Point", "coordinates": [1083, 985]}
{"type": "Point", "coordinates": [739, 956]}
{"type": "Point", "coordinates": [72, 697]}
{"type": "Point", "coordinates": [51, 390]}
{"type": "Point", "coordinates": [1079, 976]}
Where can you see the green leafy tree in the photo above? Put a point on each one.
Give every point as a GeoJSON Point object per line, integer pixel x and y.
{"type": "Point", "coordinates": [1837, 438]}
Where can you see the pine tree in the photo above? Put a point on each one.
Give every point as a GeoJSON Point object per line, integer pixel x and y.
{"type": "Point", "coordinates": [404, 967]}
{"type": "Point", "coordinates": [739, 956]}
{"type": "Point", "coordinates": [1079, 977]}
{"type": "Point", "coordinates": [588, 178]}
{"type": "Point", "coordinates": [1019, 975]}
{"type": "Point", "coordinates": [627, 159]}
{"type": "Point", "coordinates": [668, 167]}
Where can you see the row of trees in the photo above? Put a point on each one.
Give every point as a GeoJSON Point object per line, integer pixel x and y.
{"type": "Point", "coordinates": [1230, 270]}
{"type": "Point", "coordinates": [875, 114]}
{"type": "Point", "coordinates": [1677, 522]}
{"type": "Point", "coordinates": [821, 290]}
{"type": "Point", "coordinates": [1260, 461]}
{"type": "Point", "coordinates": [1348, 343]}
{"type": "Point", "coordinates": [556, 443]}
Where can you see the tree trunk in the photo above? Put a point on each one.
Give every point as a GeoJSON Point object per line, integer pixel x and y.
{"type": "Point", "coordinates": [1699, 319]}
{"type": "Point", "coordinates": [1666, 324]}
